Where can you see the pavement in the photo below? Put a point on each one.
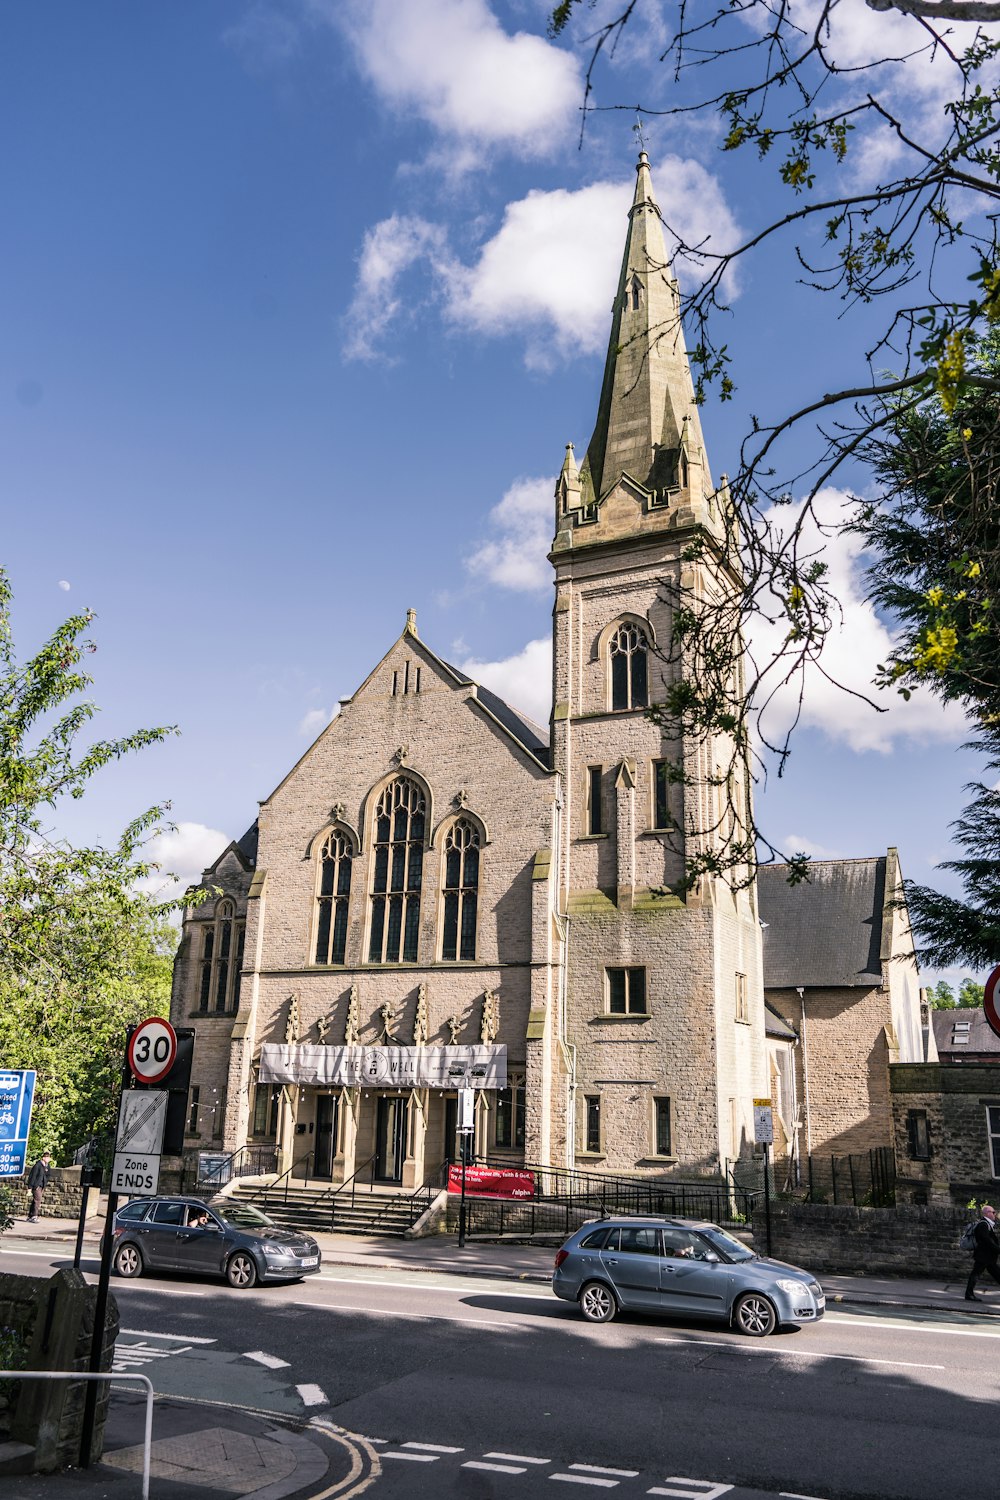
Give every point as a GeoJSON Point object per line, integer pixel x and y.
{"type": "Point", "coordinates": [206, 1452]}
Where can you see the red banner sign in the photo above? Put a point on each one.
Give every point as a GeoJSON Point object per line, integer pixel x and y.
{"type": "Point", "coordinates": [492, 1182]}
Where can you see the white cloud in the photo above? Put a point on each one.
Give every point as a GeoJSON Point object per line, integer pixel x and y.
{"type": "Point", "coordinates": [518, 559]}
{"type": "Point", "coordinates": [316, 720]}
{"type": "Point", "coordinates": [857, 644]}
{"type": "Point", "coordinates": [181, 853]}
{"type": "Point", "coordinates": [388, 252]}
{"type": "Point", "coordinates": [64, 585]}
{"type": "Point", "coordinates": [794, 843]}
{"type": "Point", "coordinates": [548, 274]}
{"type": "Point", "coordinates": [451, 63]}
{"type": "Point", "coordinates": [523, 680]}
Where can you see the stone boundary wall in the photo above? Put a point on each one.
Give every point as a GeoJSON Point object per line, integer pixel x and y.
{"type": "Point", "coordinates": [61, 1199]}
{"type": "Point", "coordinates": [902, 1241]}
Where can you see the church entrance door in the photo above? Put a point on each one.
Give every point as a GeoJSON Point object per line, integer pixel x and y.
{"type": "Point", "coordinates": [390, 1138]}
{"type": "Point", "coordinates": [326, 1129]}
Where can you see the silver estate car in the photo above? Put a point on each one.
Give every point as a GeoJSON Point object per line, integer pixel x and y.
{"type": "Point", "coordinates": [685, 1268]}
{"type": "Point", "coordinates": [234, 1240]}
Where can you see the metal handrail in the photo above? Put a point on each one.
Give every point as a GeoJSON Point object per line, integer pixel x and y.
{"type": "Point", "coordinates": [215, 1174]}
{"type": "Point", "coordinates": [147, 1441]}
{"type": "Point", "coordinates": [427, 1186]}
{"type": "Point", "coordinates": [270, 1187]}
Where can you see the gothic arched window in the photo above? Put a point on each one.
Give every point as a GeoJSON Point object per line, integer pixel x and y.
{"type": "Point", "coordinates": [461, 890]}
{"type": "Point", "coordinates": [397, 873]}
{"type": "Point", "coordinates": [222, 960]}
{"type": "Point", "coordinates": [628, 654]}
{"type": "Point", "coordinates": [333, 897]}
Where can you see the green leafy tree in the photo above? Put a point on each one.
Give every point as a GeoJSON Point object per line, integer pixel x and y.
{"type": "Point", "coordinates": [83, 951]}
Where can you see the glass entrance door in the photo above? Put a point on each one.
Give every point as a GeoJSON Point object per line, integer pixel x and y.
{"type": "Point", "coordinates": [451, 1128]}
{"type": "Point", "coordinates": [326, 1130]}
{"type": "Point", "coordinates": [390, 1138]}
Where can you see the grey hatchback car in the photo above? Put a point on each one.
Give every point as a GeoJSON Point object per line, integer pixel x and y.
{"type": "Point", "coordinates": [681, 1267]}
{"type": "Point", "coordinates": [235, 1240]}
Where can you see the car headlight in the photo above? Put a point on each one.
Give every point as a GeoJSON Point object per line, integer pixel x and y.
{"type": "Point", "coordinates": [269, 1249]}
{"type": "Point", "coordinates": [793, 1288]}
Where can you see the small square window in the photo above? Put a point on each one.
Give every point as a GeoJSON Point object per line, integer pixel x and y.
{"type": "Point", "coordinates": [627, 992]}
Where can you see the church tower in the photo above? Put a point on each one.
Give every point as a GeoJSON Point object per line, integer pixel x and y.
{"type": "Point", "coordinates": [664, 1009]}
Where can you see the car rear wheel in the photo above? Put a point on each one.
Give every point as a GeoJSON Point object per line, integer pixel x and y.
{"type": "Point", "coordinates": [128, 1260]}
{"type": "Point", "coordinates": [597, 1302]}
{"type": "Point", "coordinates": [241, 1270]}
{"type": "Point", "coordinates": [754, 1315]}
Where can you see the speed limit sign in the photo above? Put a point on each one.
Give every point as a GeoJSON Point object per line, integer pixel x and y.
{"type": "Point", "coordinates": [152, 1049]}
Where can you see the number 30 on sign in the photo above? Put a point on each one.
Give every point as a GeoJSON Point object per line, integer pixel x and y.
{"type": "Point", "coordinates": [152, 1049]}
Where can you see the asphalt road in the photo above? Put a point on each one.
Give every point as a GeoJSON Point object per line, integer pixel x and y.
{"type": "Point", "coordinates": [476, 1388]}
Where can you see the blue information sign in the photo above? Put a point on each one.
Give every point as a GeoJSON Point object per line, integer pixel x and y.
{"type": "Point", "coordinates": [17, 1090]}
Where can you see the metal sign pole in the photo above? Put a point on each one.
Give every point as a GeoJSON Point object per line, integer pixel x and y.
{"type": "Point", "coordinates": [767, 1196]}
{"type": "Point", "coordinates": [461, 1201]}
{"type": "Point", "coordinates": [101, 1305]}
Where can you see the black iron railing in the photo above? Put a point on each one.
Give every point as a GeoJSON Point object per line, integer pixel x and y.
{"type": "Point", "coordinates": [248, 1161]}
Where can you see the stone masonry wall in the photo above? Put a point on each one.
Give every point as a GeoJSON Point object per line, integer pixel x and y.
{"type": "Point", "coordinates": [955, 1099]}
{"type": "Point", "coordinates": [901, 1241]}
{"type": "Point", "coordinates": [61, 1199]}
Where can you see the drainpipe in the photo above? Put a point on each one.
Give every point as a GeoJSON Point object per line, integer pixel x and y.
{"type": "Point", "coordinates": [799, 990]}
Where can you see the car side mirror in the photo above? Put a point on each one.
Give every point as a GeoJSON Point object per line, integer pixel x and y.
{"type": "Point", "coordinates": [711, 1257]}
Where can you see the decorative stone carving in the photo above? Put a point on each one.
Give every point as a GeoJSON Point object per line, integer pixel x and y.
{"type": "Point", "coordinates": [491, 1018]}
{"type": "Point", "coordinates": [461, 797]}
{"type": "Point", "coordinates": [454, 1025]}
{"type": "Point", "coordinates": [353, 1025]}
{"type": "Point", "coordinates": [402, 755]}
{"type": "Point", "coordinates": [338, 812]}
{"type": "Point", "coordinates": [420, 1019]}
{"type": "Point", "coordinates": [388, 1021]}
{"type": "Point", "coordinates": [292, 1020]}
{"type": "Point", "coordinates": [322, 1028]}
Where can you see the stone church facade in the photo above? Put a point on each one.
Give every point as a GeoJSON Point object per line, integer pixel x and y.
{"type": "Point", "coordinates": [437, 873]}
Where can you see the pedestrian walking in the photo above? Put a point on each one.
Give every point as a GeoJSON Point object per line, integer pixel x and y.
{"type": "Point", "coordinates": [986, 1253]}
{"type": "Point", "coordinates": [38, 1181]}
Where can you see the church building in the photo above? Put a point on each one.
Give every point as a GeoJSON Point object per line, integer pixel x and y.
{"type": "Point", "coordinates": [441, 893]}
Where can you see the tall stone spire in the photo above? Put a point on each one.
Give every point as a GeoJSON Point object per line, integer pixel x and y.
{"type": "Point", "coordinates": [647, 422]}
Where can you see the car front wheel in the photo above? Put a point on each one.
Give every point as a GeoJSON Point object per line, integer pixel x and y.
{"type": "Point", "coordinates": [754, 1315]}
{"type": "Point", "coordinates": [128, 1261]}
{"type": "Point", "coordinates": [597, 1302]}
{"type": "Point", "coordinates": [241, 1270]}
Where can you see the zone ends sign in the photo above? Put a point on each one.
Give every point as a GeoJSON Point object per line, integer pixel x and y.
{"type": "Point", "coordinates": [152, 1048]}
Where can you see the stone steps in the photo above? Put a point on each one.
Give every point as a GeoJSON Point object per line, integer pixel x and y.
{"type": "Point", "coordinates": [317, 1209]}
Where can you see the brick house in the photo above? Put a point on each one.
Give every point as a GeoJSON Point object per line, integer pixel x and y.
{"type": "Point", "coordinates": [839, 972]}
{"type": "Point", "coordinates": [439, 882]}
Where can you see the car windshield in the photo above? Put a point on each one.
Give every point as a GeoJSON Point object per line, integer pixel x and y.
{"type": "Point", "coordinates": [244, 1216]}
{"type": "Point", "coordinates": [726, 1244]}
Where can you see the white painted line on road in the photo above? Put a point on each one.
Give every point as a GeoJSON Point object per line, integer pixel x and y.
{"type": "Point", "coordinates": [704, 1489]}
{"type": "Point", "coordinates": [415, 1458]}
{"type": "Point", "coordinates": [387, 1312]}
{"type": "Point", "coordinates": [517, 1458]}
{"type": "Point", "coordinates": [271, 1360]}
{"type": "Point", "coordinates": [856, 1359]}
{"type": "Point", "coordinates": [494, 1468]}
{"type": "Point", "coordinates": [606, 1484]}
{"type": "Point", "coordinates": [177, 1338]}
{"type": "Point", "coordinates": [153, 1291]}
{"type": "Point", "coordinates": [791, 1495]}
{"type": "Point", "coordinates": [481, 1284]}
{"type": "Point", "coordinates": [931, 1328]}
{"type": "Point", "coordinates": [433, 1448]}
{"type": "Point", "coordinates": [596, 1469]}
{"type": "Point", "coordinates": [312, 1395]}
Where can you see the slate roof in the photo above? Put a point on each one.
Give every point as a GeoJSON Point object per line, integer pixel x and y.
{"type": "Point", "coordinates": [530, 735]}
{"type": "Point", "coordinates": [775, 1025]}
{"type": "Point", "coordinates": [824, 932]}
{"type": "Point", "coordinates": [247, 845]}
{"type": "Point", "coordinates": [982, 1039]}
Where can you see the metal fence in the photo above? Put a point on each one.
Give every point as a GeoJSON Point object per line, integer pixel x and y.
{"type": "Point", "coordinates": [866, 1179]}
{"type": "Point", "coordinates": [564, 1199]}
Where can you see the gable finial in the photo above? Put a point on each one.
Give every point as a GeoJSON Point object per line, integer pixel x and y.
{"type": "Point", "coordinates": [411, 622]}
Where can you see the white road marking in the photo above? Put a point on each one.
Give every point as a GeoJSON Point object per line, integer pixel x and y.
{"type": "Point", "coordinates": [271, 1360]}
{"type": "Point", "coordinates": [791, 1495]}
{"type": "Point", "coordinates": [156, 1291]}
{"type": "Point", "coordinates": [541, 1294]}
{"type": "Point", "coordinates": [932, 1328]}
{"type": "Point", "coordinates": [707, 1489]}
{"type": "Point", "coordinates": [415, 1458]}
{"type": "Point", "coordinates": [312, 1395]}
{"type": "Point", "coordinates": [495, 1468]}
{"type": "Point", "coordinates": [518, 1458]}
{"type": "Point", "coordinates": [433, 1447]}
{"type": "Point", "coordinates": [177, 1338]}
{"type": "Point", "coordinates": [596, 1469]}
{"type": "Point", "coordinates": [606, 1484]}
{"type": "Point", "coordinates": [856, 1359]}
{"type": "Point", "coordinates": [385, 1312]}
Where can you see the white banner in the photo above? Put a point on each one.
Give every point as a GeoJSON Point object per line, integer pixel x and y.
{"type": "Point", "coordinates": [385, 1067]}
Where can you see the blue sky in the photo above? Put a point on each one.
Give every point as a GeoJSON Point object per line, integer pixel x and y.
{"type": "Point", "coordinates": [300, 303]}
